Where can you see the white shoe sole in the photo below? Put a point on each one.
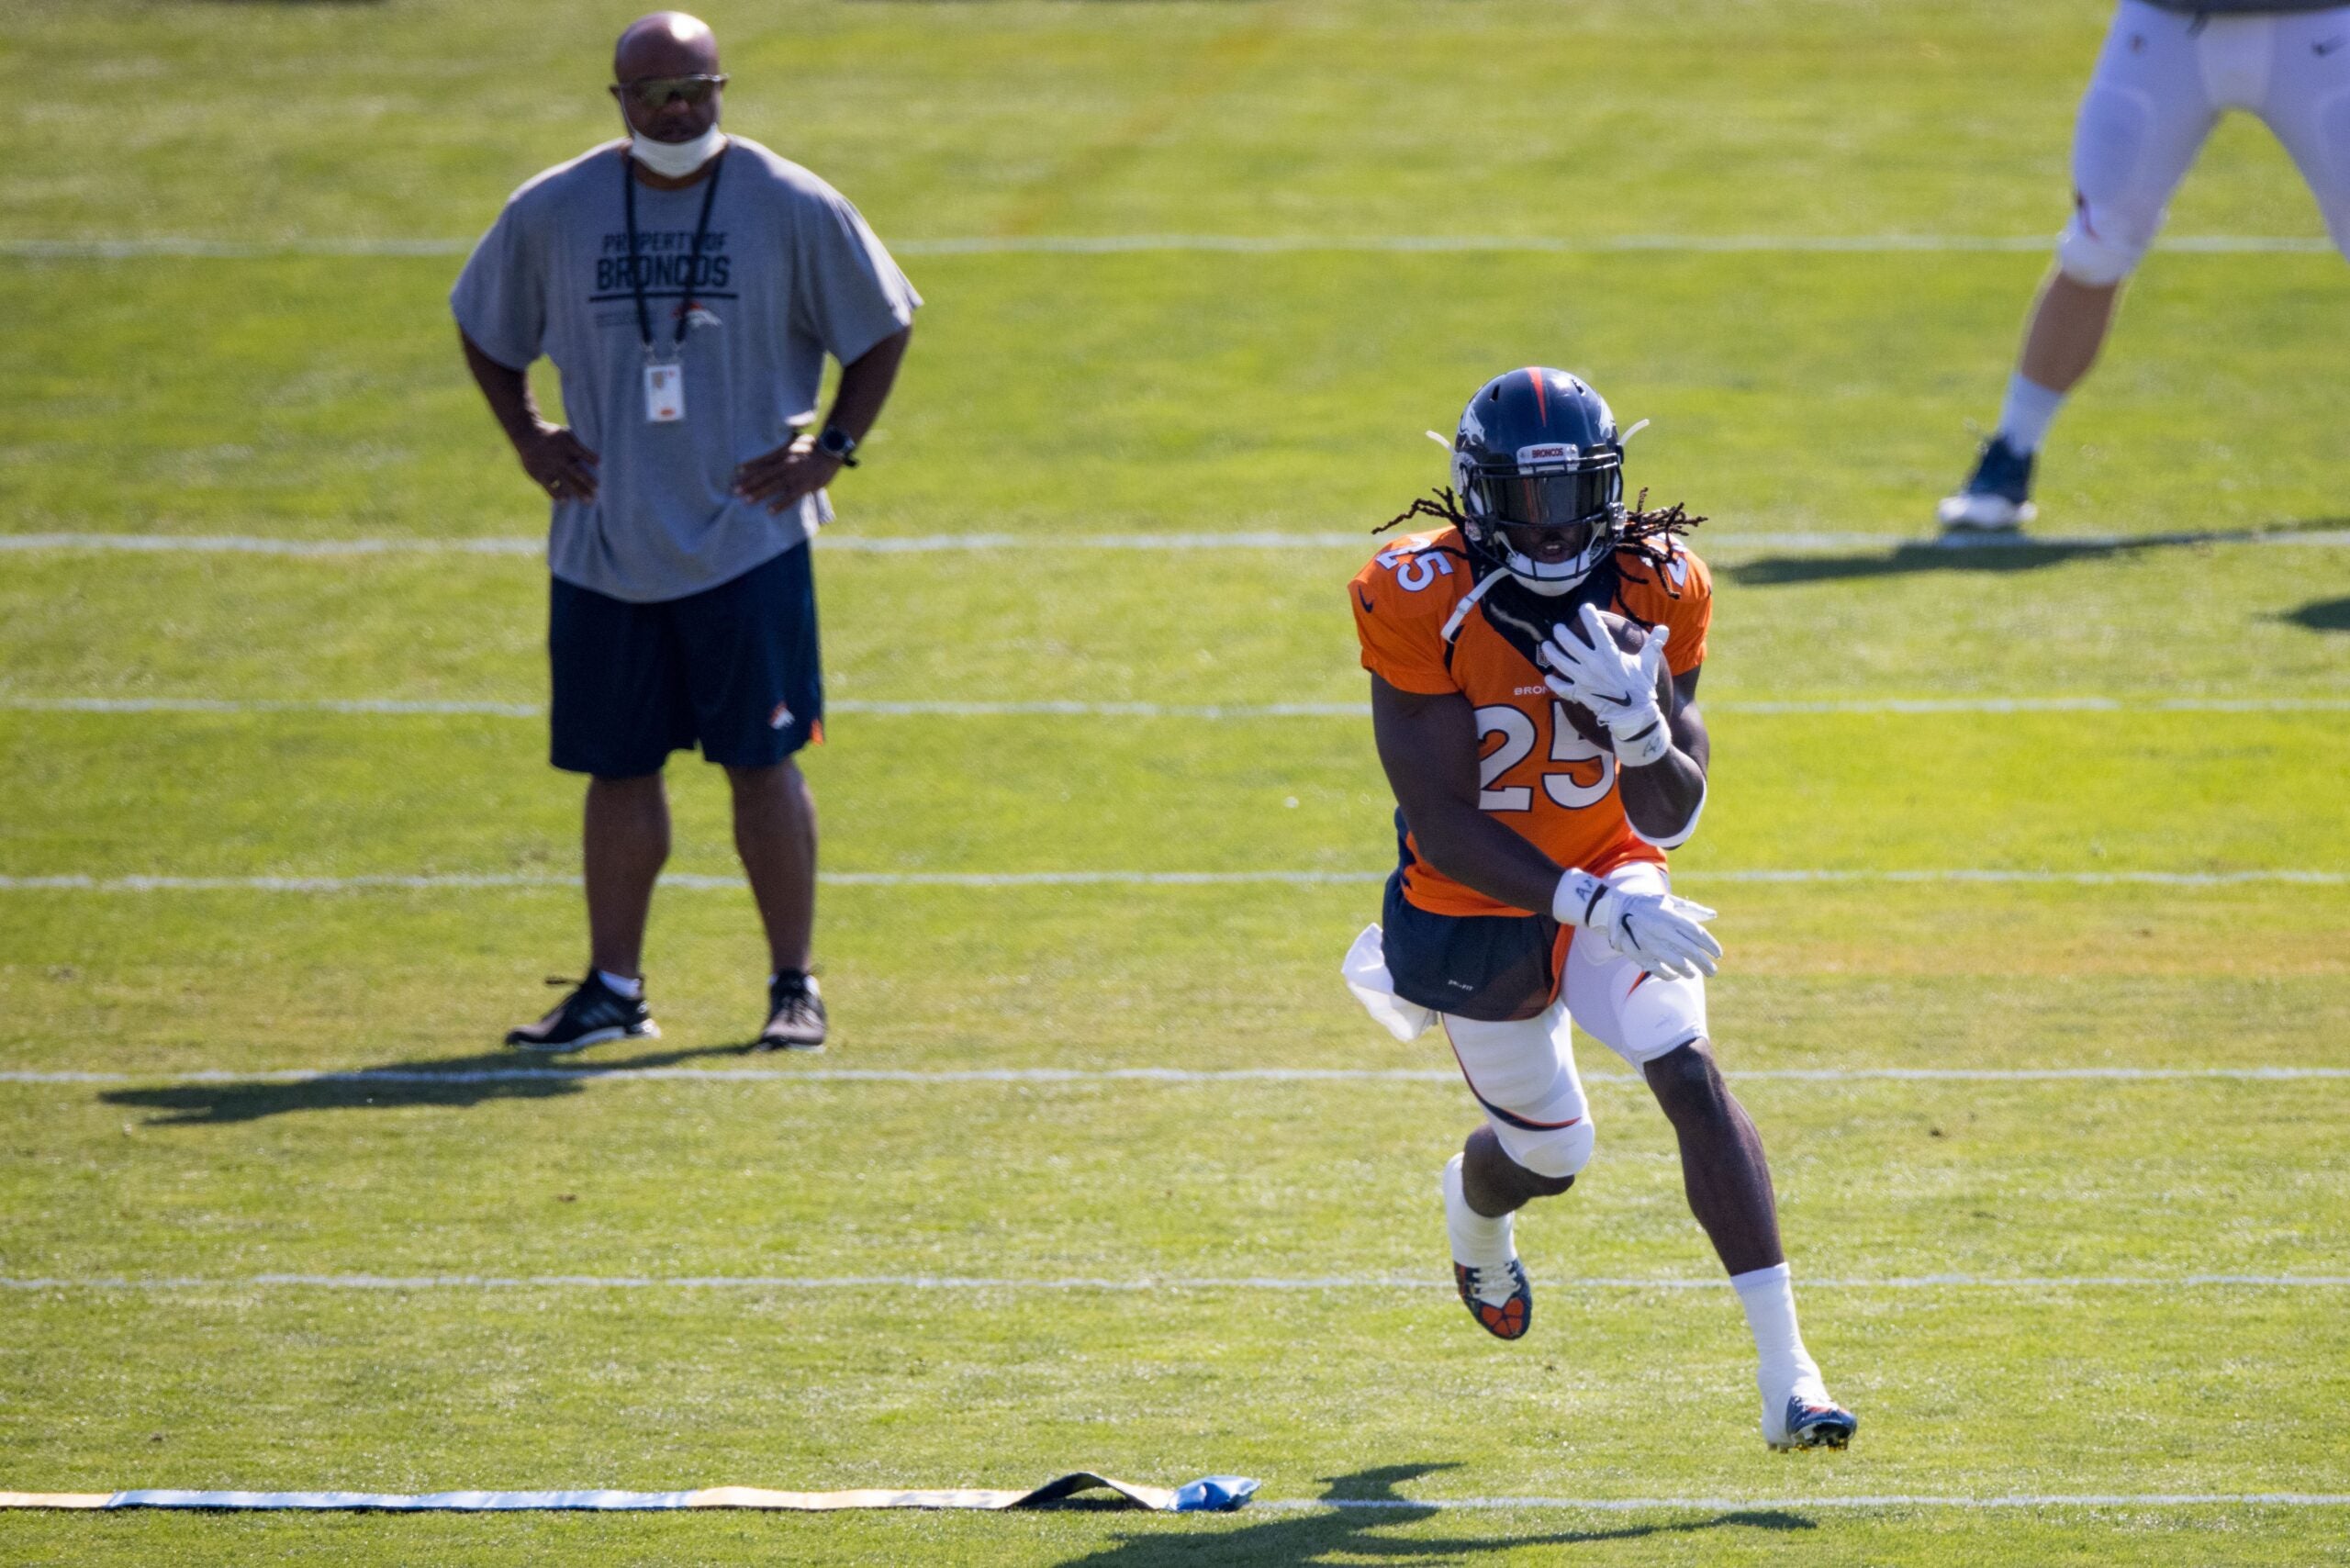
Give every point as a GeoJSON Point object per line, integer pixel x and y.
{"type": "Point", "coordinates": [1982, 514]}
{"type": "Point", "coordinates": [650, 1031]}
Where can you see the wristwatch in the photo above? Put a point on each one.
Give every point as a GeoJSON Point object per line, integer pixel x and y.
{"type": "Point", "coordinates": [839, 446]}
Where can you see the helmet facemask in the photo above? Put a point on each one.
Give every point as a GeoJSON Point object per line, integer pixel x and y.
{"type": "Point", "coordinates": [1549, 517]}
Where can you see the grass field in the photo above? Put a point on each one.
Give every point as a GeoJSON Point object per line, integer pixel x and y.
{"type": "Point", "coordinates": [2031, 1288]}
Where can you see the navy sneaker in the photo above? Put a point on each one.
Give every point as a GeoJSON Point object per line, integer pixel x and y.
{"type": "Point", "coordinates": [1998, 498]}
{"type": "Point", "coordinates": [1506, 1319]}
{"type": "Point", "coordinates": [795, 1016]}
{"type": "Point", "coordinates": [1803, 1425]}
{"type": "Point", "coordinates": [591, 1014]}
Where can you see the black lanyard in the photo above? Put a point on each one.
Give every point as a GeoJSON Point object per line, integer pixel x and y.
{"type": "Point", "coordinates": [693, 261]}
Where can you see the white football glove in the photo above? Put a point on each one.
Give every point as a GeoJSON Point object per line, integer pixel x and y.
{"type": "Point", "coordinates": [1665, 934]}
{"type": "Point", "coordinates": [1619, 687]}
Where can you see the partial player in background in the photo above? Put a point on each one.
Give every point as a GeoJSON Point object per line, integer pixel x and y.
{"type": "Point", "coordinates": [2169, 70]}
{"type": "Point", "coordinates": [1533, 675]}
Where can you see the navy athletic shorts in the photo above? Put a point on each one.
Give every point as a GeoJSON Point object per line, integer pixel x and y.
{"type": "Point", "coordinates": [732, 669]}
{"type": "Point", "coordinates": [1494, 968]}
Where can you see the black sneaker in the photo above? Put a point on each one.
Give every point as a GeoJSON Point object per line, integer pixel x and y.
{"type": "Point", "coordinates": [1997, 497]}
{"type": "Point", "coordinates": [795, 1016]}
{"type": "Point", "coordinates": [591, 1014]}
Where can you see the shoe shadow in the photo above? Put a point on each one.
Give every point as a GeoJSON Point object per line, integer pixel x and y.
{"type": "Point", "coordinates": [2017, 553]}
{"type": "Point", "coordinates": [454, 1082]}
{"type": "Point", "coordinates": [1360, 1528]}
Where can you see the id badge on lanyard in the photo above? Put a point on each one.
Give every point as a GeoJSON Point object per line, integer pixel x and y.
{"type": "Point", "coordinates": [665, 391]}
{"type": "Point", "coordinates": [665, 370]}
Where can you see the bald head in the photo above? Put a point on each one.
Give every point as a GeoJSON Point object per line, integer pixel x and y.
{"type": "Point", "coordinates": [666, 43]}
{"type": "Point", "coordinates": [652, 58]}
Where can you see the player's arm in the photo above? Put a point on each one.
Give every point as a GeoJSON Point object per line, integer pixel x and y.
{"type": "Point", "coordinates": [1428, 745]}
{"type": "Point", "coordinates": [1663, 798]}
{"type": "Point", "coordinates": [551, 455]}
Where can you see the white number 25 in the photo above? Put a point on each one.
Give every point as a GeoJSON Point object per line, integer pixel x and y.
{"type": "Point", "coordinates": [1516, 730]}
{"type": "Point", "coordinates": [1415, 571]}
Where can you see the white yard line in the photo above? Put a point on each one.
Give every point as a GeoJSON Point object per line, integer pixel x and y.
{"type": "Point", "coordinates": [1144, 1285]}
{"type": "Point", "coordinates": [1798, 1505]}
{"type": "Point", "coordinates": [1804, 542]}
{"type": "Point", "coordinates": [932, 1076]}
{"type": "Point", "coordinates": [135, 248]}
{"type": "Point", "coordinates": [78, 882]}
{"type": "Point", "coordinates": [608, 1501]}
{"type": "Point", "coordinates": [396, 707]}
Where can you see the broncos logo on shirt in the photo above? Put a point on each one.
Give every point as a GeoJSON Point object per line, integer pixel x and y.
{"type": "Point", "coordinates": [1423, 627]}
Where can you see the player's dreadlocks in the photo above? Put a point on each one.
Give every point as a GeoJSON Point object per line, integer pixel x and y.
{"type": "Point", "coordinates": [1647, 536]}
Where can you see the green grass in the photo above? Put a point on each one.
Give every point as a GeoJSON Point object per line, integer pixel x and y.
{"type": "Point", "coordinates": [1051, 396]}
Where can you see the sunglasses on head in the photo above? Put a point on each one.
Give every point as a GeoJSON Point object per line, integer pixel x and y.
{"type": "Point", "coordinates": [659, 92]}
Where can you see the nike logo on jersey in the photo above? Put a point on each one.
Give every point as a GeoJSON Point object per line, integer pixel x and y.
{"type": "Point", "coordinates": [1367, 607]}
{"type": "Point", "coordinates": [2328, 47]}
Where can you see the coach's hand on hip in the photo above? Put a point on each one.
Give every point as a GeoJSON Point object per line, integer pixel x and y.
{"type": "Point", "coordinates": [558, 461]}
{"type": "Point", "coordinates": [786, 475]}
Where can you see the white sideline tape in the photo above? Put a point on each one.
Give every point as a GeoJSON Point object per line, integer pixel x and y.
{"type": "Point", "coordinates": [145, 884]}
{"type": "Point", "coordinates": [366, 1075]}
{"type": "Point", "coordinates": [1126, 1287]}
{"type": "Point", "coordinates": [132, 248]}
{"type": "Point", "coordinates": [1214, 1493]}
{"type": "Point", "coordinates": [1812, 542]}
{"type": "Point", "coordinates": [1204, 711]}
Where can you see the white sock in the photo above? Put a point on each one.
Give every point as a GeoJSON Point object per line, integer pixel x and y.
{"type": "Point", "coordinates": [1769, 1298]}
{"type": "Point", "coordinates": [1478, 1240]}
{"type": "Point", "coordinates": [622, 986]}
{"type": "Point", "coordinates": [2024, 417]}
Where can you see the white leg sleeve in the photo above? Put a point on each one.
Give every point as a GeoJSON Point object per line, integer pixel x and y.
{"type": "Point", "coordinates": [1524, 1076]}
{"type": "Point", "coordinates": [2141, 121]}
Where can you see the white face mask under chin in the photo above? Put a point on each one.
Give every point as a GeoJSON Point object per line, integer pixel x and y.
{"type": "Point", "coordinates": [675, 160]}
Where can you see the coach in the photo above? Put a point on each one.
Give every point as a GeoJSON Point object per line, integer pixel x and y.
{"type": "Point", "coordinates": [688, 286]}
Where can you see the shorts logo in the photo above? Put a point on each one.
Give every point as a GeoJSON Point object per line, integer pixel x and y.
{"type": "Point", "coordinates": [781, 717]}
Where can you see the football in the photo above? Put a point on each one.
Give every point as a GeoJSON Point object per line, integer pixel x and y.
{"type": "Point", "coordinates": [1631, 636]}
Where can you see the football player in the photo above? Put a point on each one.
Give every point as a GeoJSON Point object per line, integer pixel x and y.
{"type": "Point", "coordinates": [2170, 68]}
{"type": "Point", "coordinates": [1545, 755]}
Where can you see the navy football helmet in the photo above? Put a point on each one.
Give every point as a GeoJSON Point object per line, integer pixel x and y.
{"type": "Point", "coordinates": [1540, 470]}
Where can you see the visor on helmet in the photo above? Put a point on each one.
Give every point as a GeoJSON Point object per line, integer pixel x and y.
{"type": "Point", "coordinates": [1554, 500]}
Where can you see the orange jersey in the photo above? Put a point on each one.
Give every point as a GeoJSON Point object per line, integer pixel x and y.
{"type": "Point", "coordinates": [1535, 772]}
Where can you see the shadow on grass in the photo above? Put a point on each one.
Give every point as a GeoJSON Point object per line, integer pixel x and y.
{"type": "Point", "coordinates": [2322, 615]}
{"type": "Point", "coordinates": [2020, 553]}
{"type": "Point", "coordinates": [1351, 1533]}
{"type": "Point", "coordinates": [456, 1082]}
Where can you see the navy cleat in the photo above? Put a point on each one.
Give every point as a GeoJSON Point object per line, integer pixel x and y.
{"type": "Point", "coordinates": [796, 1019]}
{"type": "Point", "coordinates": [1804, 1424]}
{"type": "Point", "coordinates": [1997, 497]}
{"type": "Point", "coordinates": [591, 1014]}
{"type": "Point", "coordinates": [1508, 1318]}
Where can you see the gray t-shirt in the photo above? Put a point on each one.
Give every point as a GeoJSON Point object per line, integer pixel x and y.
{"type": "Point", "coordinates": [790, 273]}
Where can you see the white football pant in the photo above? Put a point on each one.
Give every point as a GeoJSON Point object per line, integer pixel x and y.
{"type": "Point", "coordinates": [2162, 82]}
{"type": "Point", "coordinates": [1524, 1073]}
